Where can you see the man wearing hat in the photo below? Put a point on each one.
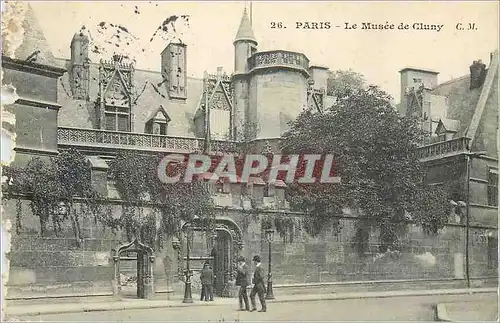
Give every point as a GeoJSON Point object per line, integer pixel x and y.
{"type": "Point", "coordinates": [207, 278]}
{"type": "Point", "coordinates": [258, 286]}
{"type": "Point", "coordinates": [242, 280]}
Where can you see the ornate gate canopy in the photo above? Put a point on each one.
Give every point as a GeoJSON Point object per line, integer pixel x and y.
{"type": "Point", "coordinates": [225, 232]}
{"type": "Point", "coordinates": [145, 260]}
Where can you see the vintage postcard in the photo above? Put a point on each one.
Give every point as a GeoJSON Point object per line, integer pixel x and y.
{"type": "Point", "coordinates": [249, 161]}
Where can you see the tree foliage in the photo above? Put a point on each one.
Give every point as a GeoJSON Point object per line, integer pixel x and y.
{"type": "Point", "coordinates": [138, 184]}
{"type": "Point", "coordinates": [374, 153]}
{"type": "Point", "coordinates": [66, 179]}
{"type": "Point", "coordinates": [340, 83]}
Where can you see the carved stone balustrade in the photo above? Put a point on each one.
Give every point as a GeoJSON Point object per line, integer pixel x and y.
{"type": "Point", "coordinates": [279, 58]}
{"type": "Point", "coordinates": [440, 149]}
{"type": "Point", "coordinates": [116, 139]}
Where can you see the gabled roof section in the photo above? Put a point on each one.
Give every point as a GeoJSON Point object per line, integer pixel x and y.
{"type": "Point", "coordinates": [447, 125]}
{"type": "Point", "coordinates": [461, 100]}
{"type": "Point", "coordinates": [154, 113]}
{"type": "Point", "coordinates": [245, 31]}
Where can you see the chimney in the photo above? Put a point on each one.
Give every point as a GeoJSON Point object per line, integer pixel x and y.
{"type": "Point", "coordinates": [477, 74]}
{"type": "Point", "coordinates": [413, 79]}
{"type": "Point", "coordinates": [319, 77]}
{"type": "Point", "coordinates": [79, 49]}
{"type": "Point", "coordinates": [173, 70]}
{"type": "Point", "coordinates": [79, 67]}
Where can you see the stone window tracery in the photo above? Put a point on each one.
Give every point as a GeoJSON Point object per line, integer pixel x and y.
{"type": "Point", "coordinates": [117, 118]}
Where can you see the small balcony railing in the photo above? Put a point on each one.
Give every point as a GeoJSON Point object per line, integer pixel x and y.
{"type": "Point", "coordinates": [278, 58]}
{"type": "Point", "coordinates": [442, 148]}
{"type": "Point", "coordinates": [98, 137]}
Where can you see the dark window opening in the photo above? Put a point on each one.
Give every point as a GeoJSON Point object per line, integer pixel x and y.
{"type": "Point", "coordinates": [269, 190]}
{"type": "Point", "coordinates": [492, 252]}
{"type": "Point", "coordinates": [493, 187]}
{"type": "Point", "coordinates": [163, 129]}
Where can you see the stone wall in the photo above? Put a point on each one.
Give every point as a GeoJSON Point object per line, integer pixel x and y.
{"type": "Point", "coordinates": [333, 258]}
{"type": "Point", "coordinates": [55, 266]}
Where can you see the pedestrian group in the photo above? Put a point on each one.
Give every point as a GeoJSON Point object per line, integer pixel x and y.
{"type": "Point", "coordinates": [243, 281]}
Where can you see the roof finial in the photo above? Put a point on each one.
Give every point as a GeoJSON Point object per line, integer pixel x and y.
{"type": "Point", "coordinates": [251, 13]}
{"type": "Point", "coordinates": [245, 30]}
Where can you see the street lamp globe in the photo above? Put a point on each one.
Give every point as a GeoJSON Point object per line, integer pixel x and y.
{"type": "Point", "coordinates": [269, 234]}
{"type": "Point", "coordinates": [176, 243]}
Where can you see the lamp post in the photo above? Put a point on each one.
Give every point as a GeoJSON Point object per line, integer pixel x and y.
{"type": "Point", "coordinates": [187, 286]}
{"type": "Point", "coordinates": [176, 245]}
{"type": "Point", "coordinates": [269, 237]}
{"type": "Point", "coordinates": [468, 158]}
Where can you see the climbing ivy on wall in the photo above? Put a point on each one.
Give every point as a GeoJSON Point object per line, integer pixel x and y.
{"type": "Point", "coordinates": [149, 210]}
{"type": "Point", "coordinates": [153, 208]}
{"type": "Point", "coordinates": [53, 185]}
{"type": "Point", "coordinates": [288, 227]}
{"type": "Point", "coordinates": [248, 216]}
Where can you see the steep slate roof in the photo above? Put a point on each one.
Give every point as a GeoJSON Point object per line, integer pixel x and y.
{"type": "Point", "coordinates": [476, 110]}
{"type": "Point", "coordinates": [461, 100]}
{"type": "Point", "coordinates": [81, 114]}
{"type": "Point", "coordinates": [34, 40]}
{"type": "Point", "coordinates": [245, 31]}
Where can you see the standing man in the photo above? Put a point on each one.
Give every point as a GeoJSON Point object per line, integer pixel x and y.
{"type": "Point", "coordinates": [207, 277]}
{"type": "Point", "coordinates": [258, 286]}
{"type": "Point", "coordinates": [242, 280]}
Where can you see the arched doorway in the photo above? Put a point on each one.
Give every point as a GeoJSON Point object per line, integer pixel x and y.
{"type": "Point", "coordinates": [221, 252]}
{"type": "Point", "coordinates": [222, 262]}
{"type": "Point", "coordinates": [141, 258]}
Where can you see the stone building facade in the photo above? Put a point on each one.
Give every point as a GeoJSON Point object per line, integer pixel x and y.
{"type": "Point", "coordinates": [460, 119]}
{"type": "Point", "coordinates": [110, 106]}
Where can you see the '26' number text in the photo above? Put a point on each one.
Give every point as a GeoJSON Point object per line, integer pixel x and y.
{"type": "Point", "coordinates": [277, 25]}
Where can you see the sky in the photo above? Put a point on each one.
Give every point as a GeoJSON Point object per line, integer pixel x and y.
{"type": "Point", "coordinates": [212, 26]}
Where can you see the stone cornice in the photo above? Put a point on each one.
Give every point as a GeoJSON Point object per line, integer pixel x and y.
{"type": "Point", "coordinates": [34, 68]}
{"type": "Point", "coordinates": [37, 151]}
{"type": "Point", "coordinates": [39, 103]}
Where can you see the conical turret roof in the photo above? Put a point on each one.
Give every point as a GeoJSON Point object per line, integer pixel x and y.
{"type": "Point", "coordinates": [245, 31]}
{"type": "Point", "coordinates": [34, 40]}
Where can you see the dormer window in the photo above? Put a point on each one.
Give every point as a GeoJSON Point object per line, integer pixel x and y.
{"type": "Point", "coordinates": [269, 190]}
{"type": "Point", "coordinates": [222, 187]}
{"type": "Point", "coordinates": [159, 128]}
{"type": "Point", "coordinates": [157, 123]}
{"type": "Point", "coordinates": [447, 128]}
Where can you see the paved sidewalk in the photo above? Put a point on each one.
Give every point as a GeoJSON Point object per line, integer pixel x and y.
{"type": "Point", "coordinates": [116, 305]}
{"type": "Point", "coordinates": [468, 311]}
